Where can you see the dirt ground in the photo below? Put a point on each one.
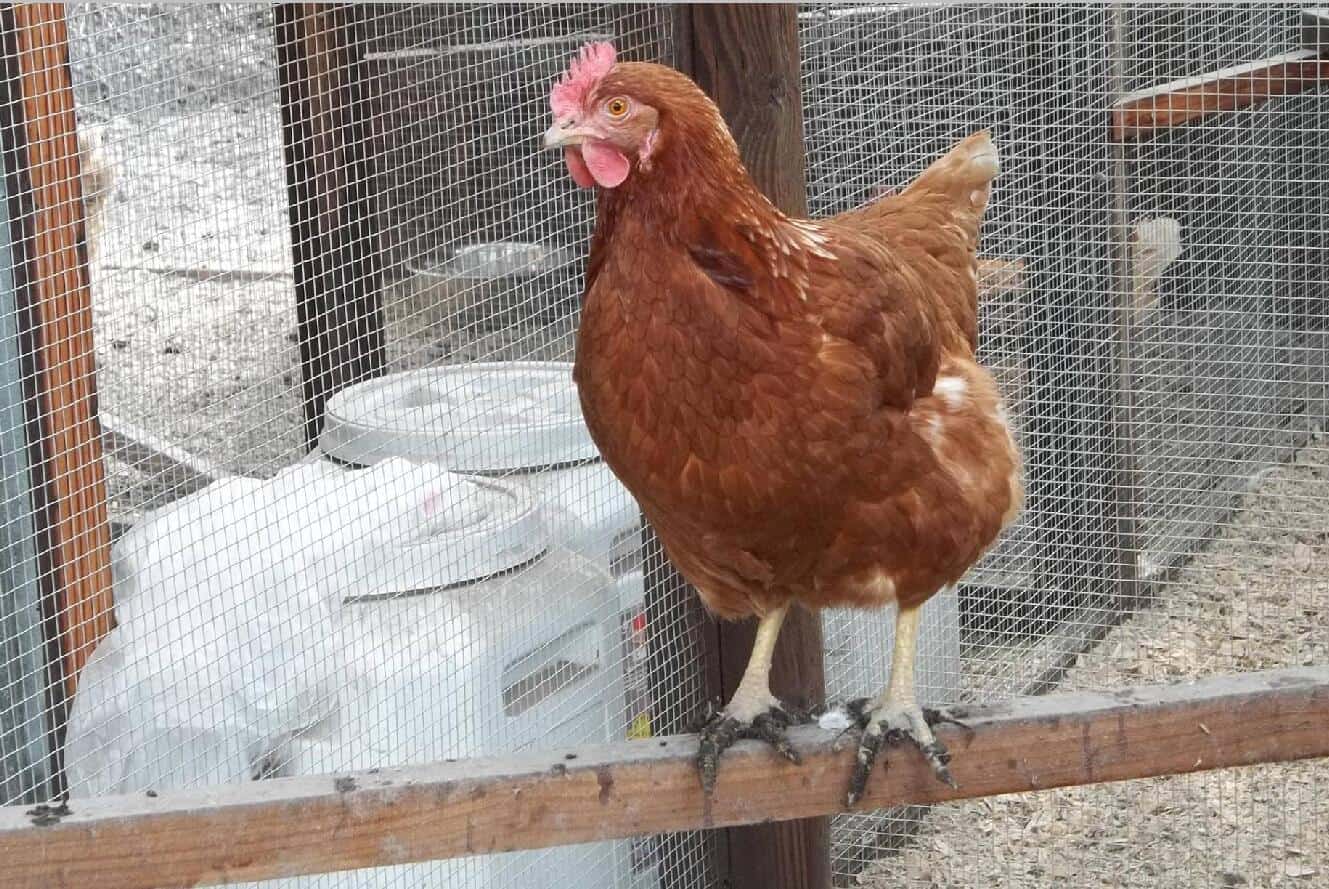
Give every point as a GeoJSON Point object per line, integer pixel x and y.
{"type": "Point", "coordinates": [194, 300]}
{"type": "Point", "coordinates": [1256, 598]}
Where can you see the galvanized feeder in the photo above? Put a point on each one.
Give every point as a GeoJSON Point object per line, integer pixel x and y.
{"type": "Point", "coordinates": [491, 286]}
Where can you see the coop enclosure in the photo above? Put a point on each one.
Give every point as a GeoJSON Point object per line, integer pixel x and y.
{"type": "Point", "coordinates": [294, 476]}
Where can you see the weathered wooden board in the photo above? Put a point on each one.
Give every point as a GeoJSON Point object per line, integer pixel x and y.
{"type": "Point", "coordinates": [1140, 114]}
{"type": "Point", "coordinates": [55, 312]}
{"type": "Point", "coordinates": [292, 826]}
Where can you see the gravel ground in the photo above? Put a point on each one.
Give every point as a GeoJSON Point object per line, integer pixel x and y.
{"type": "Point", "coordinates": [192, 289]}
{"type": "Point", "coordinates": [1257, 598]}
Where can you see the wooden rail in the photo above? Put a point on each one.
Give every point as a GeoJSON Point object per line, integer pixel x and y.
{"type": "Point", "coordinates": [290, 826]}
{"type": "Point", "coordinates": [166, 462]}
{"type": "Point", "coordinates": [1140, 114]}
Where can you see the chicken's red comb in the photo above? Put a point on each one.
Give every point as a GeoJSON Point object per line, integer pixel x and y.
{"type": "Point", "coordinates": [583, 73]}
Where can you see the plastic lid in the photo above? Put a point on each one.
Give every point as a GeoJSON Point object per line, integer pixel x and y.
{"type": "Point", "coordinates": [485, 417]}
{"type": "Point", "coordinates": [314, 531]}
{"type": "Point", "coordinates": [452, 530]}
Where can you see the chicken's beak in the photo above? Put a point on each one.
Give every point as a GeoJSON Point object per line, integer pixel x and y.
{"type": "Point", "coordinates": [564, 133]}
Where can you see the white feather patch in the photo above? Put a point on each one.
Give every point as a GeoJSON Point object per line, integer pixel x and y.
{"type": "Point", "coordinates": [836, 720]}
{"type": "Point", "coordinates": [951, 390]}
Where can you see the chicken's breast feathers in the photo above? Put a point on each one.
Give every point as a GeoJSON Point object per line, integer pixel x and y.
{"type": "Point", "coordinates": [795, 404]}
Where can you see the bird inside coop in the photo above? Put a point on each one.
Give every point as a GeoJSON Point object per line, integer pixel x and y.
{"type": "Point", "coordinates": [1155, 245]}
{"type": "Point", "coordinates": [98, 176]}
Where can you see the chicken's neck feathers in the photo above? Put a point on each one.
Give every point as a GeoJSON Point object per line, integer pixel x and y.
{"type": "Point", "coordinates": [721, 207]}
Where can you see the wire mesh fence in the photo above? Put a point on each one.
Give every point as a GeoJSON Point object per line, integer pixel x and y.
{"type": "Point", "coordinates": [1188, 397]}
{"type": "Point", "coordinates": [281, 613]}
{"type": "Point", "coordinates": [451, 571]}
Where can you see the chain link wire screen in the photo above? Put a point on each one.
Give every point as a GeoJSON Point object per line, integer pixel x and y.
{"type": "Point", "coordinates": [1172, 416]}
{"type": "Point", "coordinates": [452, 573]}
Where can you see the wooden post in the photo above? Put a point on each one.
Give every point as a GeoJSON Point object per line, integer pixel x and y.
{"type": "Point", "coordinates": [1126, 492]}
{"type": "Point", "coordinates": [746, 57]}
{"type": "Point", "coordinates": [330, 178]}
{"type": "Point", "coordinates": [1072, 454]}
{"type": "Point", "coordinates": [55, 328]}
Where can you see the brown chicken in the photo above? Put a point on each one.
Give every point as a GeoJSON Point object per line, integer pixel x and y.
{"type": "Point", "coordinates": [795, 404]}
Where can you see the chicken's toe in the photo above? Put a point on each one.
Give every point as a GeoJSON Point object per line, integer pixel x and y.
{"type": "Point", "coordinates": [893, 723]}
{"type": "Point", "coordinates": [717, 736]}
{"type": "Point", "coordinates": [723, 729]}
{"type": "Point", "coordinates": [770, 727]}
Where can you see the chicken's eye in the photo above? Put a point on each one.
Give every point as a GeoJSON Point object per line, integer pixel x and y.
{"type": "Point", "coordinates": [616, 107]}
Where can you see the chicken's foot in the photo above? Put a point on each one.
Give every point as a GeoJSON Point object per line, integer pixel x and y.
{"type": "Point", "coordinates": [752, 711]}
{"type": "Point", "coordinates": [892, 725]}
{"type": "Point", "coordinates": [894, 716]}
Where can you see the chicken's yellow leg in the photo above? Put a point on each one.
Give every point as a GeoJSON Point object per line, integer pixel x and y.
{"type": "Point", "coordinates": [894, 715]}
{"type": "Point", "coordinates": [900, 689]}
{"type": "Point", "coordinates": [753, 695]}
{"type": "Point", "coordinates": [752, 711]}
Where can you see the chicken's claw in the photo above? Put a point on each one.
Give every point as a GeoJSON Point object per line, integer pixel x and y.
{"type": "Point", "coordinates": [893, 724]}
{"type": "Point", "coordinates": [722, 730]}
{"type": "Point", "coordinates": [716, 737]}
{"type": "Point", "coordinates": [770, 727]}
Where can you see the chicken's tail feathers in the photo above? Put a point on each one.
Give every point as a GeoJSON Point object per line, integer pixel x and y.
{"type": "Point", "coordinates": [965, 175]}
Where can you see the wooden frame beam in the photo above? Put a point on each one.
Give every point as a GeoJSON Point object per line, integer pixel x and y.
{"type": "Point", "coordinates": [55, 324]}
{"type": "Point", "coordinates": [331, 181]}
{"type": "Point", "coordinates": [290, 826]}
{"type": "Point", "coordinates": [1140, 114]}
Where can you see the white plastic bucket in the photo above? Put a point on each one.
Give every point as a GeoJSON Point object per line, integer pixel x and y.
{"type": "Point", "coordinates": [521, 421]}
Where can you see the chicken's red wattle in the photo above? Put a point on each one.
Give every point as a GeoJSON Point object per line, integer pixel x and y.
{"type": "Point", "coordinates": [597, 163]}
{"type": "Point", "coordinates": [577, 167]}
